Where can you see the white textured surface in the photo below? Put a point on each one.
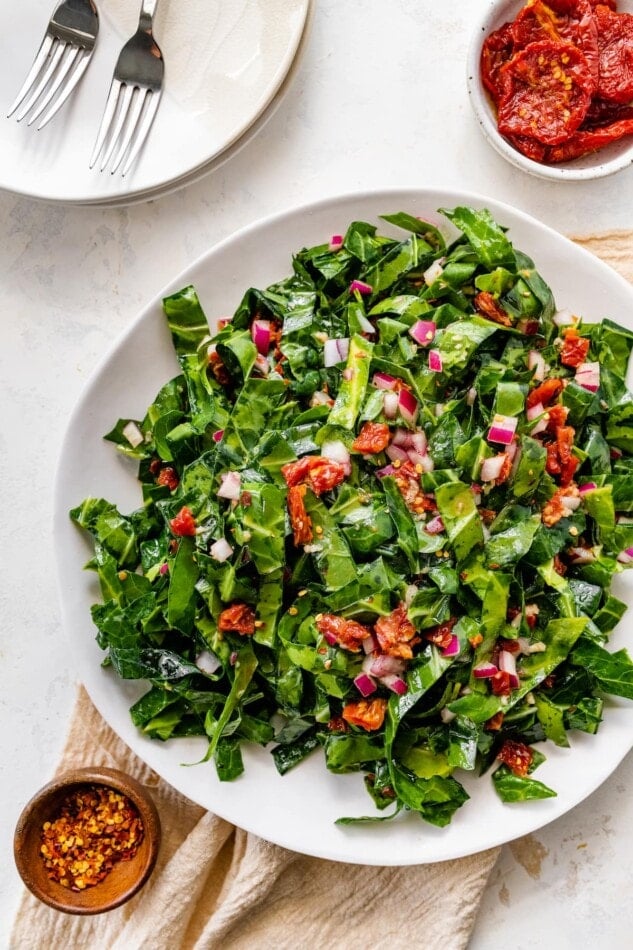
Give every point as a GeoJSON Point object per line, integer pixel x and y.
{"type": "Point", "coordinates": [380, 100]}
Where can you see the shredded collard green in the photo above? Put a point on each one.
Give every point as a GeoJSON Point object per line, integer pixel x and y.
{"type": "Point", "coordinates": [382, 510]}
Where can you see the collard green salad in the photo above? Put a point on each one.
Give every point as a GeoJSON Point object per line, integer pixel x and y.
{"type": "Point", "coordinates": [383, 506]}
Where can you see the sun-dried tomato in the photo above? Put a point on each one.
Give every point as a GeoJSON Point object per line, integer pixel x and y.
{"type": "Point", "coordinates": [517, 756]}
{"type": "Point", "coordinates": [506, 468]}
{"type": "Point", "coordinates": [583, 142]}
{"type": "Point", "coordinates": [569, 21]}
{"type": "Point", "coordinates": [546, 92]}
{"type": "Point", "coordinates": [488, 306]}
{"type": "Point", "coordinates": [348, 633]}
{"type": "Point", "coordinates": [218, 368]}
{"type": "Point", "coordinates": [496, 51]}
{"type": "Point", "coordinates": [575, 348]}
{"type": "Point", "coordinates": [529, 147]}
{"type": "Point", "coordinates": [238, 618]}
{"type": "Point", "coordinates": [559, 565]}
{"type": "Point", "coordinates": [500, 683]}
{"type": "Point", "coordinates": [319, 473]}
{"type": "Point", "coordinates": [545, 393]}
{"type": "Point", "coordinates": [602, 113]}
{"type": "Point", "coordinates": [337, 724]}
{"type": "Point", "coordinates": [554, 509]}
{"type": "Point", "coordinates": [495, 722]}
{"type": "Point", "coordinates": [615, 51]}
{"type": "Point", "coordinates": [510, 646]}
{"type": "Point", "coordinates": [441, 635]}
{"type": "Point", "coordinates": [372, 438]}
{"type": "Point", "coordinates": [552, 463]}
{"type": "Point", "coordinates": [396, 634]}
{"type": "Point", "coordinates": [368, 714]}
{"type": "Point", "coordinates": [300, 520]}
{"type": "Point", "coordinates": [407, 480]}
{"type": "Point", "coordinates": [568, 462]}
{"type": "Point", "coordinates": [183, 524]}
{"type": "Point", "coordinates": [557, 416]}
{"type": "Point", "coordinates": [168, 477]}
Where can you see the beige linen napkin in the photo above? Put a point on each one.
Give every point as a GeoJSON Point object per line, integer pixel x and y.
{"type": "Point", "coordinates": [216, 886]}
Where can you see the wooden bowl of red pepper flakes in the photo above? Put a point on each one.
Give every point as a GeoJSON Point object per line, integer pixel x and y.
{"type": "Point", "coordinates": [551, 84]}
{"type": "Point", "coordinates": [87, 841]}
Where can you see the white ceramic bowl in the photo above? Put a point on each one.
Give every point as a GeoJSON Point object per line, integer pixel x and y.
{"type": "Point", "coordinates": [597, 165]}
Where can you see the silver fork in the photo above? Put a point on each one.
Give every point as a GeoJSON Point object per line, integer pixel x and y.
{"type": "Point", "coordinates": [133, 98]}
{"type": "Point", "coordinates": [61, 61]}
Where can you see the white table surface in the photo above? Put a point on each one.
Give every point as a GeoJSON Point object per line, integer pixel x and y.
{"type": "Point", "coordinates": [380, 101]}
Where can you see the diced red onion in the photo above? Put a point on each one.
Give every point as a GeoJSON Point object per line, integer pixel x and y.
{"type": "Point", "coordinates": [453, 648]}
{"type": "Point", "coordinates": [434, 526]}
{"type": "Point", "coordinates": [426, 463]}
{"type": "Point", "coordinates": [348, 373]}
{"type": "Point", "coordinates": [410, 592]}
{"type": "Point", "coordinates": [491, 468]}
{"type": "Point", "coordinates": [233, 658]}
{"type": "Point", "coordinates": [396, 453]}
{"type": "Point", "coordinates": [384, 381]}
{"type": "Point", "coordinates": [133, 434]}
{"type": "Point", "coordinates": [570, 502]}
{"type": "Point", "coordinates": [335, 351]}
{"type": "Point", "coordinates": [260, 334]}
{"type": "Point", "coordinates": [261, 363]}
{"type": "Point", "coordinates": [516, 621]}
{"type": "Point", "coordinates": [330, 638]}
{"type": "Point", "coordinates": [319, 398]}
{"type": "Point", "coordinates": [524, 644]}
{"type": "Point", "coordinates": [536, 363]}
{"type": "Point", "coordinates": [217, 435]}
{"type": "Point", "coordinates": [433, 272]}
{"type": "Point", "coordinates": [386, 470]}
{"type": "Point", "coordinates": [581, 555]}
{"type": "Point", "coordinates": [408, 405]}
{"type": "Point", "coordinates": [336, 242]}
{"type": "Point", "coordinates": [508, 663]}
{"type": "Point", "coordinates": [416, 457]}
{"type": "Point", "coordinates": [402, 438]}
{"type": "Point", "coordinates": [385, 665]}
{"type": "Point", "coordinates": [446, 715]}
{"type": "Point", "coordinates": [502, 429]}
{"type": "Point", "coordinates": [563, 318]}
{"type": "Point", "coordinates": [336, 451]}
{"type": "Point", "coordinates": [366, 325]}
{"type": "Point", "coordinates": [396, 684]}
{"type": "Point", "coordinates": [588, 486]}
{"type": "Point", "coordinates": [230, 485]}
{"type": "Point", "coordinates": [484, 671]}
{"type": "Point", "coordinates": [533, 412]}
{"type": "Point", "coordinates": [588, 376]}
{"type": "Point", "coordinates": [435, 361]}
{"type": "Point", "coordinates": [538, 647]}
{"type": "Point", "coordinates": [361, 287]}
{"type": "Point", "coordinates": [471, 395]}
{"type": "Point", "coordinates": [369, 644]}
{"type": "Point", "coordinates": [221, 550]}
{"type": "Point", "coordinates": [365, 684]}
{"type": "Point", "coordinates": [423, 332]}
{"type": "Point", "coordinates": [390, 403]}
{"type": "Point", "coordinates": [418, 441]}
{"type": "Point", "coordinates": [163, 569]}
{"type": "Point", "coordinates": [208, 662]}
{"type": "Point", "coordinates": [626, 557]}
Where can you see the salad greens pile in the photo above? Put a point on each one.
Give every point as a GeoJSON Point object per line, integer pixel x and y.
{"type": "Point", "coordinates": [382, 509]}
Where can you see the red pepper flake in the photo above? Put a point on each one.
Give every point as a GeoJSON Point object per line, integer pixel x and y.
{"type": "Point", "coordinates": [94, 829]}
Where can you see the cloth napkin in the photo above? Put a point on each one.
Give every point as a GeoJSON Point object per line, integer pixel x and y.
{"type": "Point", "coordinates": [216, 886]}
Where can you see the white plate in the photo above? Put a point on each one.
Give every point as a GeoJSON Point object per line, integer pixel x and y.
{"type": "Point", "coordinates": [232, 150]}
{"type": "Point", "coordinates": [224, 64]}
{"type": "Point", "coordinates": [298, 811]}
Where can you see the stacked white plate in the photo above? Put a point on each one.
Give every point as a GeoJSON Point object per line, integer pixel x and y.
{"type": "Point", "coordinates": [227, 68]}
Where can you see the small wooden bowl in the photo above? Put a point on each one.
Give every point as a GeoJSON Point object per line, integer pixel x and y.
{"type": "Point", "coordinates": [126, 877]}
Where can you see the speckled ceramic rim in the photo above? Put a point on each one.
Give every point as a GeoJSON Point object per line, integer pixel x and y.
{"type": "Point", "coordinates": [583, 169]}
{"type": "Point", "coordinates": [32, 812]}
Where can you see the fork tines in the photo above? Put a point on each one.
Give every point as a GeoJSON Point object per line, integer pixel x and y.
{"type": "Point", "coordinates": [127, 118]}
{"type": "Point", "coordinates": [57, 69]}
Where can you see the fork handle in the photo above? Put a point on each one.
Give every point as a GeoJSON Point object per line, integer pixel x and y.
{"type": "Point", "coordinates": [148, 9]}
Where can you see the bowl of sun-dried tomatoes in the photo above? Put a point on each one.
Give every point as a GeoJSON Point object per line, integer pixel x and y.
{"type": "Point", "coordinates": [551, 84]}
